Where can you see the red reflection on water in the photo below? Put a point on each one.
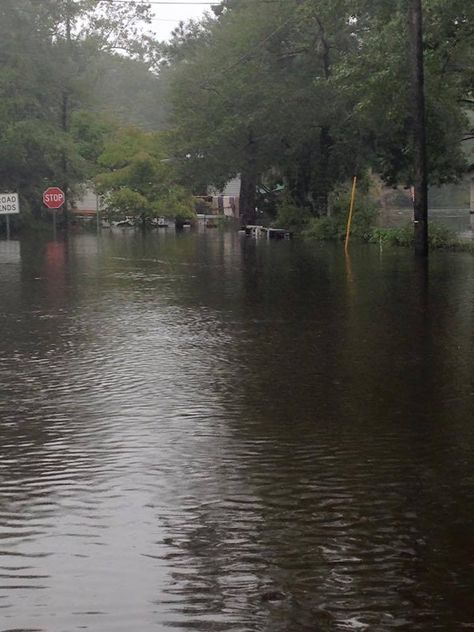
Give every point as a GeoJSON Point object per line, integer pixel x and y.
{"type": "Point", "coordinates": [54, 269]}
{"type": "Point", "coordinates": [55, 254]}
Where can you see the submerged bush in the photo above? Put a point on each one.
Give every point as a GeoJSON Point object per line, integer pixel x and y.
{"type": "Point", "coordinates": [291, 216]}
{"type": "Point", "coordinates": [400, 236]}
{"type": "Point", "coordinates": [333, 227]}
{"type": "Point", "coordinates": [365, 210]}
{"type": "Point", "coordinates": [324, 229]}
{"type": "Point", "coordinates": [439, 236]}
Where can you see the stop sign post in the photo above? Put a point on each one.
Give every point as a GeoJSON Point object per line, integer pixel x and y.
{"type": "Point", "coordinates": [54, 198]}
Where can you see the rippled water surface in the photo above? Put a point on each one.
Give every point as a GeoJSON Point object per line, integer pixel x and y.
{"type": "Point", "coordinates": [201, 432]}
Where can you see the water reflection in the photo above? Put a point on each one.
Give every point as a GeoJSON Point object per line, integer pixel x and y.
{"type": "Point", "coordinates": [209, 433]}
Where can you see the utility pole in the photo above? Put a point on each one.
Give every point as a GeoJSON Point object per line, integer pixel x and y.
{"type": "Point", "coordinates": [419, 129]}
{"type": "Point", "coordinates": [65, 112]}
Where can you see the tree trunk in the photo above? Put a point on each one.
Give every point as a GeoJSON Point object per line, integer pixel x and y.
{"type": "Point", "coordinates": [301, 183]}
{"type": "Point", "coordinates": [248, 184]}
{"type": "Point", "coordinates": [65, 114]}
{"type": "Point", "coordinates": [419, 130]}
{"type": "Point", "coordinates": [322, 184]}
{"type": "Point", "coordinates": [65, 183]}
{"type": "Point", "coordinates": [325, 140]}
{"type": "Point", "coordinates": [248, 194]}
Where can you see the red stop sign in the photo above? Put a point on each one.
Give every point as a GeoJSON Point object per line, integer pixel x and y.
{"type": "Point", "coordinates": [53, 197]}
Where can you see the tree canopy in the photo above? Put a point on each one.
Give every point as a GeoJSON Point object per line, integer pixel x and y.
{"type": "Point", "coordinates": [313, 92]}
{"type": "Point", "coordinates": [303, 93]}
{"type": "Point", "coordinates": [53, 112]}
{"type": "Point", "coordinates": [137, 179]}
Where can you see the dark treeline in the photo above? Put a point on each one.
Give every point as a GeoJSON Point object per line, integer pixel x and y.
{"type": "Point", "coordinates": [73, 73]}
{"type": "Point", "coordinates": [312, 92]}
{"type": "Point", "coordinates": [302, 93]}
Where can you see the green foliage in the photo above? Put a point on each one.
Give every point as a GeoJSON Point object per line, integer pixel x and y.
{"type": "Point", "coordinates": [178, 203]}
{"type": "Point", "coordinates": [365, 209]}
{"type": "Point", "coordinates": [310, 92]}
{"type": "Point", "coordinates": [291, 216]}
{"type": "Point", "coordinates": [132, 158]}
{"type": "Point", "coordinates": [400, 236]}
{"type": "Point", "coordinates": [334, 227]}
{"type": "Point", "coordinates": [316, 92]}
{"type": "Point", "coordinates": [138, 180]}
{"type": "Point", "coordinates": [439, 236]}
{"type": "Point", "coordinates": [49, 133]}
{"type": "Point", "coordinates": [123, 202]}
{"type": "Point", "coordinates": [324, 229]}
{"type": "Point", "coordinates": [90, 133]}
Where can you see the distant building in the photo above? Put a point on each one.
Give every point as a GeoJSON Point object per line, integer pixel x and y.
{"type": "Point", "coordinates": [87, 204]}
{"type": "Point", "coordinates": [226, 202]}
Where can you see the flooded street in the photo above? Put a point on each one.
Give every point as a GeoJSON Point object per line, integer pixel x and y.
{"type": "Point", "coordinates": [203, 432]}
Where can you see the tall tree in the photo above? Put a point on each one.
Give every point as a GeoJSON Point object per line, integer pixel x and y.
{"type": "Point", "coordinates": [415, 16]}
{"type": "Point", "coordinates": [46, 49]}
{"type": "Point", "coordinates": [137, 178]}
{"type": "Point", "coordinates": [316, 91]}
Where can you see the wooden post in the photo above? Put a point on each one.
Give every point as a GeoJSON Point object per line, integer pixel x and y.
{"type": "Point", "coordinates": [419, 129]}
{"type": "Point", "coordinates": [351, 213]}
{"type": "Point", "coordinates": [65, 115]}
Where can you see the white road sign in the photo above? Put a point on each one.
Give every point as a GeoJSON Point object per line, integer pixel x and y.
{"type": "Point", "coordinates": [9, 204]}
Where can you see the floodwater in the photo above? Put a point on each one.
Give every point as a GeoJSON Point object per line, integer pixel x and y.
{"type": "Point", "coordinates": [203, 432]}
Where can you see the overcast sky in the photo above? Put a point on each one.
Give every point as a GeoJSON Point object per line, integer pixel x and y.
{"type": "Point", "coordinates": [167, 16]}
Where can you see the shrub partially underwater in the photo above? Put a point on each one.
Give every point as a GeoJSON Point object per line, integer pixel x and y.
{"type": "Point", "coordinates": [364, 226]}
{"type": "Point", "coordinates": [330, 227]}
{"type": "Point", "coordinates": [439, 238]}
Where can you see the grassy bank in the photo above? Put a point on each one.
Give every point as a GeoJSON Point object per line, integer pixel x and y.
{"type": "Point", "coordinates": [364, 228]}
{"type": "Point", "coordinates": [440, 237]}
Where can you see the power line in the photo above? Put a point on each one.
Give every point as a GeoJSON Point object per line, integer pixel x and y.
{"type": "Point", "coordinates": [181, 2]}
{"type": "Point", "coordinates": [166, 2]}
{"type": "Point", "coordinates": [178, 2]}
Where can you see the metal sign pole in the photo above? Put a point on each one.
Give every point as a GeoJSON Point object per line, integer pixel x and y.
{"type": "Point", "coordinates": [97, 211]}
{"type": "Point", "coordinates": [54, 198]}
{"type": "Point", "coordinates": [7, 217]}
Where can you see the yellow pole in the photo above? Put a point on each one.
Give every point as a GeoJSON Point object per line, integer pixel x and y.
{"type": "Point", "coordinates": [351, 213]}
